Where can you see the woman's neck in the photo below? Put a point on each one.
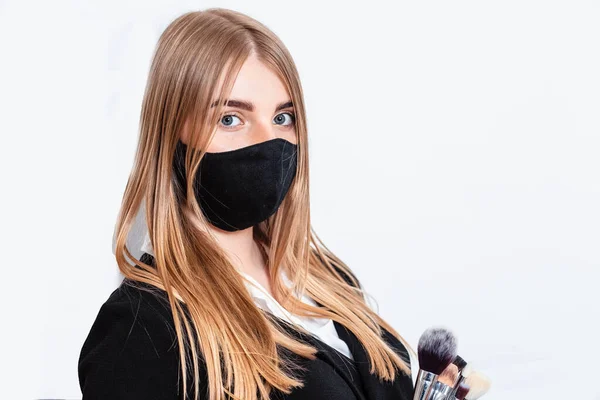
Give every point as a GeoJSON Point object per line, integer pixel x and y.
{"type": "Point", "coordinates": [244, 253]}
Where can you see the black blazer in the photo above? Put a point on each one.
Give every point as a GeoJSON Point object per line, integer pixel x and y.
{"type": "Point", "coordinates": [131, 352]}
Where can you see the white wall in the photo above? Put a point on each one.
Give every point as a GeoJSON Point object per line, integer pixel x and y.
{"type": "Point", "coordinates": [454, 166]}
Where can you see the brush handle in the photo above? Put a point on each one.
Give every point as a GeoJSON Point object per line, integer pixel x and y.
{"type": "Point", "coordinates": [440, 391]}
{"type": "Point", "coordinates": [425, 382]}
{"type": "Point", "coordinates": [452, 394]}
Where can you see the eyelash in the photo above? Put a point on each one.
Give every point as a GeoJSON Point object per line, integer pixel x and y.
{"type": "Point", "coordinates": [293, 116]}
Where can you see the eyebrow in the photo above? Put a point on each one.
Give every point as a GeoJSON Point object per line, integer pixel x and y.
{"type": "Point", "coordinates": [248, 106]}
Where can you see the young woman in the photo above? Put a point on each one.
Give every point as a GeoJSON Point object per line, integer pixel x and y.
{"type": "Point", "coordinates": [234, 296]}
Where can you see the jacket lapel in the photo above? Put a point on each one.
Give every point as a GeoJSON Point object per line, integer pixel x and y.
{"type": "Point", "coordinates": [399, 389]}
{"type": "Point", "coordinates": [372, 388]}
{"type": "Point", "coordinates": [327, 354]}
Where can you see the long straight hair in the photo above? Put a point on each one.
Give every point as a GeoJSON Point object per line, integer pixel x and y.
{"type": "Point", "coordinates": [196, 60]}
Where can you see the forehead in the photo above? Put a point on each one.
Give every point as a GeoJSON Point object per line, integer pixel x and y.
{"type": "Point", "coordinates": [258, 84]}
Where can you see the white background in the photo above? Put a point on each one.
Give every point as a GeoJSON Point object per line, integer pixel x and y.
{"type": "Point", "coordinates": [454, 166]}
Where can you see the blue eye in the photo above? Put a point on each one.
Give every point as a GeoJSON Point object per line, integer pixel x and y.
{"type": "Point", "coordinates": [227, 120]}
{"type": "Point", "coordinates": [280, 119]}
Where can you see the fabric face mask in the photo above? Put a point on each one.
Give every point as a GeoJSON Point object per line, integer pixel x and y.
{"type": "Point", "coordinates": [238, 189]}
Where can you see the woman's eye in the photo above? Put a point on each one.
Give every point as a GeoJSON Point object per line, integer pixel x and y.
{"type": "Point", "coordinates": [228, 120]}
{"type": "Point", "coordinates": [280, 119]}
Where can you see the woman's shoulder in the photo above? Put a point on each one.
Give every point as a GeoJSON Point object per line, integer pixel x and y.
{"type": "Point", "coordinates": [131, 350]}
{"type": "Point", "coordinates": [136, 303]}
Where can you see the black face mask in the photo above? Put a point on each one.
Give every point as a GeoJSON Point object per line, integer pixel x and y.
{"type": "Point", "coordinates": [238, 189]}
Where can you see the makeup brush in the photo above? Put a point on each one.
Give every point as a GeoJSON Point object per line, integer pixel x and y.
{"type": "Point", "coordinates": [449, 375]}
{"type": "Point", "coordinates": [479, 384]}
{"type": "Point", "coordinates": [461, 364]}
{"type": "Point", "coordinates": [436, 349]}
{"type": "Point", "coordinates": [462, 391]}
{"type": "Point", "coordinates": [443, 387]}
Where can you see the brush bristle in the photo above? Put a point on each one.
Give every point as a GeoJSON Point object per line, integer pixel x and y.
{"type": "Point", "coordinates": [479, 384]}
{"type": "Point", "coordinates": [449, 375]}
{"type": "Point", "coordinates": [459, 362]}
{"type": "Point", "coordinates": [462, 391]}
{"type": "Point", "coordinates": [437, 349]}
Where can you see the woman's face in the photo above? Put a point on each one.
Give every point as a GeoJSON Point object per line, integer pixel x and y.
{"type": "Point", "coordinates": [258, 109]}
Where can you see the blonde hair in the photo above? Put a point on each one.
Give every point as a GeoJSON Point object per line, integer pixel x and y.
{"type": "Point", "coordinates": [238, 343]}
